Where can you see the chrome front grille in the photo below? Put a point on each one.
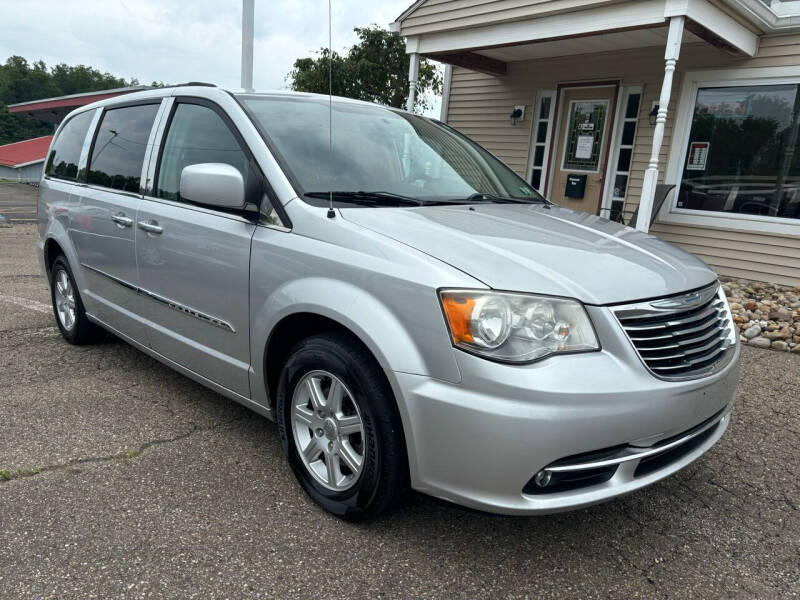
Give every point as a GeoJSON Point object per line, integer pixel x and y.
{"type": "Point", "coordinates": [681, 337]}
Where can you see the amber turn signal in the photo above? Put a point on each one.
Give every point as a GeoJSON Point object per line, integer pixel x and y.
{"type": "Point", "coordinates": [458, 310]}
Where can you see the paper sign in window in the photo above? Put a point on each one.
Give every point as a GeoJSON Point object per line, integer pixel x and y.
{"type": "Point", "coordinates": [583, 147]}
{"type": "Point", "coordinates": [698, 155]}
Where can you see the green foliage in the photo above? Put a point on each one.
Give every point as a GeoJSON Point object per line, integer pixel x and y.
{"type": "Point", "coordinates": [21, 81]}
{"type": "Point", "coordinates": [375, 70]}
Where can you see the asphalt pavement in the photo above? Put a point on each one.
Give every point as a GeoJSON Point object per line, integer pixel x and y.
{"type": "Point", "coordinates": [18, 202]}
{"type": "Point", "coordinates": [120, 478]}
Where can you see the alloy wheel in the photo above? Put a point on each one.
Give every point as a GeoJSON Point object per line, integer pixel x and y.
{"type": "Point", "coordinates": [328, 430]}
{"type": "Point", "coordinates": [65, 300]}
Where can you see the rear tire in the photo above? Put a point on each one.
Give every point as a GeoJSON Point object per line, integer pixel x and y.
{"type": "Point", "coordinates": [354, 417]}
{"type": "Point", "coordinates": [68, 306]}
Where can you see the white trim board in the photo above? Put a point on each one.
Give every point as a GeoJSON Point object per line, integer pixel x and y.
{"type": "Point", "coordinates": [692, 81]}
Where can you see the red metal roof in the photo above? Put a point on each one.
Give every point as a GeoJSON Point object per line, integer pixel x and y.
{"type": "Point", "coordinates": [53, 110]}
{"type": "Point", "coordinates": [27, 151]}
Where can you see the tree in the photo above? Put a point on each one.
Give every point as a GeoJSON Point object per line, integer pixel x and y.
{"type": "Point", "coordinates": [375, 70]}
{"type": "Point", "coordinates": [21, 81]}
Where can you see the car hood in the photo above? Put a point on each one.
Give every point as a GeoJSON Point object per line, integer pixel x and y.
{"type": "Point", "coordinates": [540, 249]}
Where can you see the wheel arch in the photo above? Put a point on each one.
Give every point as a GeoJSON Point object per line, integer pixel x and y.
{"type": "Point", "coordinates": [52, 249]}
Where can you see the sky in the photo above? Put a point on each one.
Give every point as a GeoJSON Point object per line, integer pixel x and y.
{"type": "Point", "coordinates": [192, 40]}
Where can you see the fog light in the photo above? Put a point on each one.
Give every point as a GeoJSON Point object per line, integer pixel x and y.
{"type": "Point", "coordinates": [542, 478]}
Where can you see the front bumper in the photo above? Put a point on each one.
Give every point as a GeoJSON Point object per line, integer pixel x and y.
{"type": "Point", "coordinates": [481, 442]}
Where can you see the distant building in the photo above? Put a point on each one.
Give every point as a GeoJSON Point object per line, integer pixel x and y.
{"type": "Point", "coordinates": [23, 161]}
{"type": "Point", "coordinates": [53, 110]}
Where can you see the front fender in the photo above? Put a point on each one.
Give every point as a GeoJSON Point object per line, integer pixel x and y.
{"type": "Point", "coordinates": [378, 327]}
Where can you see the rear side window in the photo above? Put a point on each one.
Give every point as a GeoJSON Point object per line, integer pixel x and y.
{"type": "Point", "coordinates": [197, 134]}
{"type": "Point", "coordinates": [119, 147]}
{"type": "Point", "coordinates": [66, 152]}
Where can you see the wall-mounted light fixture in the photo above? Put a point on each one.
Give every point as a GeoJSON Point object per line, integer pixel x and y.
{"type": "Point", "coordinates": [518, 114]}
{"type": "Point", "coordinates": [653, 114]}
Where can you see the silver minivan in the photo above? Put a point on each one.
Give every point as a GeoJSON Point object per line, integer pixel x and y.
{"type": "Point", "coordinates": [406, 308]}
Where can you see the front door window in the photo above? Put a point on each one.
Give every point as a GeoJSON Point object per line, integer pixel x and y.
{"type": "Point", "coordinates": [584, 143]}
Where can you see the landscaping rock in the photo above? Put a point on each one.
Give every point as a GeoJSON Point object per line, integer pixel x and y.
{"type": "Point", "coordinates": [760, 342]}
{"type": "Point", "coordinates": [766, 315]}
{"type": "Point", "coordinates": [752, 331]}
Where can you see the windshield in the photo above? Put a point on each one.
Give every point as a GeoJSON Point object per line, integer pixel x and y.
{"type": "Point", "coordinates": [378, 149]}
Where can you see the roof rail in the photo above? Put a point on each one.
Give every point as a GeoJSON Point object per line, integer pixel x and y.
{"type": "Point", "coordinates": [197, 83]}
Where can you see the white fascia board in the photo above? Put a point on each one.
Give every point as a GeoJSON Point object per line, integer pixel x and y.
{"type": "Point", "coordinates": [715, 20]}
{"type": "Point", "coordinates": [764, 17]}
{"type": "Point", "coordinates": [577, 23]}
{"type": "Point", "coordinates": [30, 162]}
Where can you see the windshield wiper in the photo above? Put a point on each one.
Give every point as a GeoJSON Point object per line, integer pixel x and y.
{"type": "Point", "coordinates": [504, 199]}
{"type": "Point", "coordinates": [368, 198]}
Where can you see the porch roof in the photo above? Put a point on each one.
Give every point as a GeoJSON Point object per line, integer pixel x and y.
{"type": "Point", "coordinates": [484, 38]}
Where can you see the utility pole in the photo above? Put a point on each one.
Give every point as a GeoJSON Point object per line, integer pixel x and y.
{"type": "Point", "coordinates": [248, 19]}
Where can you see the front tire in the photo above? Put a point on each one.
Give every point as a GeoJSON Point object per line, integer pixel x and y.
{"type": "Point", "coordinates": [68, 309]}
{"type": "Point", "coordinates": [340, 428]}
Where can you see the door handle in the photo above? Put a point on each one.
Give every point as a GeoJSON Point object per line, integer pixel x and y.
{"type": "Point", "coordinates": [121, 220]}
{"type": "Point", "coordinates": [150, 226]}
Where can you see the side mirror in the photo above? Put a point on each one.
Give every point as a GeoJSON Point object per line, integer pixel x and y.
{"type": "Point", "coordinates": [213, 184]}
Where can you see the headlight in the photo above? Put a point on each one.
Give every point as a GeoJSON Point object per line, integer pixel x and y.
{"type": "Point", "coordinates": [516, 327]}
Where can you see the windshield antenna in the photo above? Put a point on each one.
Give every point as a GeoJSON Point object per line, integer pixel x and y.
{"type": "Point", "coordinates": [331, 212]}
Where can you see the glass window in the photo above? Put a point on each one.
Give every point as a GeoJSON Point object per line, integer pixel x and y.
{"type": "Point", "coordinates": [544, 108]}
{"type": "Point", "coordinates": [66, 152]}
{"type": "Point", "coordinates": [536, 180]}
{"type": "Point", "coordinates": [620, 186]}
{"type": "Point", "coordinates": [197, 134]}
{"type": "Point", "coordinates": [119, 147]}
{"type": "Point", "coordinates": [624, 163]}
{"type": "Point", "coordinates": [632, 107]}
{"type": "Point", "coordinates": [743, 155]}
{"type": "Point", "coordinates": [538, 157]}
{"type": "Point", "coordinates": [378, 149]}
{"type": "Point", "coordinates": [541, 133]}
{"type": "Point", "coordinates": [587, 121]}
{"type": "Point", "coordinates": [628, 133]}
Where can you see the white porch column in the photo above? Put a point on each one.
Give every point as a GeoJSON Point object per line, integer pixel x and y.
{"type": "Point", "coordinates": [413, 76]}
{"type": "Point", "coordinates": [651, 175]}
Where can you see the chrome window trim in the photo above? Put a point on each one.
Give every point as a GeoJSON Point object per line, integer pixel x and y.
{"type": "Point", "coordinates": [183, 308]}
{"type": "Point", "coordinates": [198, 208]}
{"type": "Point", "coordinates": [108, 190]}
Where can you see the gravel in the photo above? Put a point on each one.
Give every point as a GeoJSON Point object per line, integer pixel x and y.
{"type": "Point", "coordinates": [768, 315]}
{"type": "Point", "coordinates": [120, 478]}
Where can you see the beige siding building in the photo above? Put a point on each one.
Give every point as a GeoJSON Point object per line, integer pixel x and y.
{"type": "Point", "coordinates": [603, 105]}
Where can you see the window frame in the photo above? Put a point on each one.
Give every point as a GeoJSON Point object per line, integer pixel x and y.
{"type": "Point", "coordinates": [81, 154]}
{"type": "Point", "coordinates": [693, 81]}
{"type": "Point", "coordinates": [253, 166]}
{"type": "Point", "coordinates": [627, 90]}
{"type": "Point", "coordinates": [536, 120]}
{"type": "Point", "coordinates": [98, 121]}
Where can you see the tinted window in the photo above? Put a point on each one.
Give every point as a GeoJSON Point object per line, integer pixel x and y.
{"type": "Point", "coordinates": [743, 154]}
{"type": "Point", "coordinates": [379, 149]}
{"type": "Point", "coordinates": [196, 134]}
{"type": "Point", "coordinates": [119, 147]}
{"type": "Point", "coordinates": [66, 152]}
